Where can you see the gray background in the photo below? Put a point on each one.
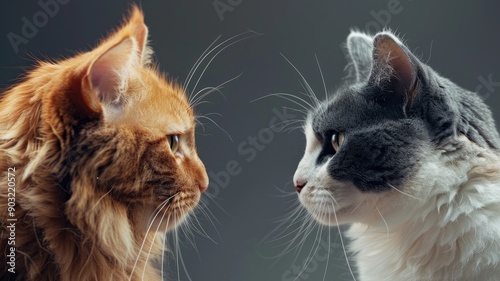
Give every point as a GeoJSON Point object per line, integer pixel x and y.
{"type": "Point", "coordinates": [458, 39]}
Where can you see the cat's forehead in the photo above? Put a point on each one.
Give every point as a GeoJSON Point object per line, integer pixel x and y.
{"type": "Point", "coordinates": [345, 108]}
{"type": "Point", "coordinates": [164, 106]}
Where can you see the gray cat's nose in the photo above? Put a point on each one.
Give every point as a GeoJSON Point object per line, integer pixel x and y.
{"type": "Point", "coordinates": [299, 184]}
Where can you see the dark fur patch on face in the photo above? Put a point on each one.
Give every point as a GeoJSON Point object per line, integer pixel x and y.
{"type": "Point", "coordinates": [381, 149]}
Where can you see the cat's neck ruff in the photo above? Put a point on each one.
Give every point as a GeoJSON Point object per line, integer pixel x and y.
{"type": "Point", "coordinates": [451, 233]}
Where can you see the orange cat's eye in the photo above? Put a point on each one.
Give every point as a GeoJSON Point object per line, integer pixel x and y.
{"type": "Point", "coordinates": [173, 140]}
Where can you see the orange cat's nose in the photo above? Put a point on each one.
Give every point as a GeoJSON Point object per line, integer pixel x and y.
{"type": "Point", "coordinates": [203, 183]}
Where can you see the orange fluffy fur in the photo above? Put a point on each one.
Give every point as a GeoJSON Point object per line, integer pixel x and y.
{"type": "Point", "coordinates": [95, 174]}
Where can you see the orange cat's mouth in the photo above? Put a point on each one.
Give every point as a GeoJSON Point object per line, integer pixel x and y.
{"type": "Point", "coordinates": [168, 214]}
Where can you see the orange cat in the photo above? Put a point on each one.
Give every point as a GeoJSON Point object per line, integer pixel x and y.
{"type": "Point", "coordinates": [102, 153]}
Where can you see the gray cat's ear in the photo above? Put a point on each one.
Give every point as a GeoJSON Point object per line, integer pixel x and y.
{"type": "Point", "coordinates": [359, 47]}
{"type": "Point", "coordinates": [394, 68]}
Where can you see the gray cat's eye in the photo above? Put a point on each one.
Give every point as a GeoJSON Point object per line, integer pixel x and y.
{"type": "Point", "coordinates": [337, 140]}
{"type": "Point", "coordinates": [173, 141]}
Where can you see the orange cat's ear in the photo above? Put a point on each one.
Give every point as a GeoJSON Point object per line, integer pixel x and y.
{"type": "Point", "coordinates": [136, 28]}
{"type": "Point", "coordinates": [109, 74]}
{"type": "Point", "coordinates": [115, 62]}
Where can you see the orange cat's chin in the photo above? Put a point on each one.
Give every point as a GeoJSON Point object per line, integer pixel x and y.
{"type": "Point", "coordinates": [164, 217]}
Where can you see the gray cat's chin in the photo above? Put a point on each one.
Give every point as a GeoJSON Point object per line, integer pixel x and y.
{"type": "Point", "coordinates": [329, 218]}
{"type": "Point", "coordinates": [325, 219]}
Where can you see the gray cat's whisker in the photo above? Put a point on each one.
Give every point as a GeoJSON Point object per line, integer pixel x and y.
{"type": "Point", "coordinates": [312, 95]}
{"type": "Point", "coordinates": [282, 236]}
{"type": "Point", "coordinates": [357, 206]}
{"type": "Point", "coordinates": [430, 52]}
{"type": "Point", "coordinates": [302, 230]}
{"type": "Point", "coordinates": [307, 92]}
{"type": "Point", "coordinates": [285, 124]}
{"type": "Point", "coordinates": [334, 201]}
{"type": "Point", "coordinates": [289, 97]}
{"type": "Point", "coordinates": [253, 34]}
{"type": "Point", "coordinates": [291, 129]}
{"type": "Point", "coordinates": [304, 112]}
{"type": "Point", "coordinates": [411, 196]}
{"type": "Point", "coordinates": [322, 77]}
{"type": "Point", "coordinates": [342, 241]}
{"type": "Point", "coordinates": [313, 250]}
{"type": "Point", "coordinates": [306, 229]}
{"type": "Point", "coordinates": [288, 222]}
{"type": "Point", "coordinates": [383, 219]}
{"type": "Point", "coordinates": [328, 250]}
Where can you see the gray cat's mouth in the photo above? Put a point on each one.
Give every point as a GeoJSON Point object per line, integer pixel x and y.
{"type": "Point", "coordinates": [336, 204]}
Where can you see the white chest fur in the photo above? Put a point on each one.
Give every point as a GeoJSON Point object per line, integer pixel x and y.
{"type": "Point", "coordinates": [451, 233]}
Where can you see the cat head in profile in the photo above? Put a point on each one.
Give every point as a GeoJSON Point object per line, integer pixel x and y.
{"type": "Point", "coordinates": [379, 145]}
{"type": "Point", "coordinates": [134, 130]}
{"type": "Point", "coordinates": [104, 148]}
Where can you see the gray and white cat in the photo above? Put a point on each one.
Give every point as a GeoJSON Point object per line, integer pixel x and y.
{"type": "Point", "coordinates": [412, 161]}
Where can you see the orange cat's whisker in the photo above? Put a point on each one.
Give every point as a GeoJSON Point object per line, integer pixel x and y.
{"type": "Point", "coordinates": [102, 197]}
{"type": "Point", "coordinates": [218, 126]}
{"type": "Point", "coordinates": [156, 213]}
{"type": "Point", "coordinates": [222, 48]}
{"type": "Point", "coordinates": [201, 94]}
{"type": "Point", "coordinates": [198, 61]}
{"type": "Point", "coordinates": [154, 237]}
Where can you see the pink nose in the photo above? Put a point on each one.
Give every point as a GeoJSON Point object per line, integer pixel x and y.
{"type": "Point", "coordinates": [203, 184]}
{"type": "Point", "coordinates": [299, 184]}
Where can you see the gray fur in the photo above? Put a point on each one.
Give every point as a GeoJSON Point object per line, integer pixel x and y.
{"type": "Point", "coordinates": [386, 122]}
